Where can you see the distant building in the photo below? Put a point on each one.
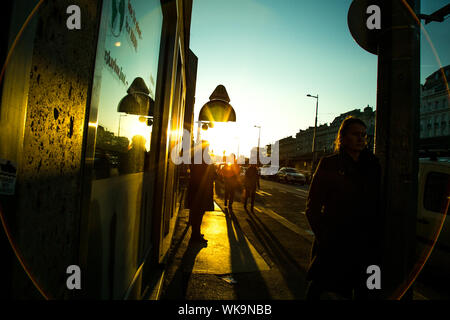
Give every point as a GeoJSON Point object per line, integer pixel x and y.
{"type": "Point", "coordinates": [434, 126]}
{"type": "Point", "coordinates": [288, 150]}
{"type": "Point", "coordinates": [435, 111]}
{"type": "Point", "coordinates": [298, 151]}
{"type": "Point", "coordinates": [326, 134]}
{"type": "Point", "coordinates": [368, 116]}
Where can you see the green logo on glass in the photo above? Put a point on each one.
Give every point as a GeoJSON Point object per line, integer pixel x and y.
{"type": "Point", "coordinates": [118, 8]}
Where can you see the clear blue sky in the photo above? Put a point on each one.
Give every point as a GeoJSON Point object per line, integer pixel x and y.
{"type": "Point", "coordinates": [270, 54]}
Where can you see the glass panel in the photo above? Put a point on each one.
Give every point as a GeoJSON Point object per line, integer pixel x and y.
{"type": "Point", "coordinates": [174, 131]}
{"type": "Point", "coordinates": [128, 80]}
{"type": "Point", "coordinates": [437, 189]}
{"type": "Point", "coordinates": [124, 84]}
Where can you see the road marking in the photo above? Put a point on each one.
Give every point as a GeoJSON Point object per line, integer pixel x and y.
{"type": "Point", "coordinates": [261, 193]}
{"type": "Point", "coordinates": [305, 191]}
{"type": "Point", "coordinates": [257, 209]}
{"type": "Point", "coordinates": [288, 224]}
{"type": "Point", "coordinates": [297, 195]}
{"type": "Point", "coordinates": [302, 212]}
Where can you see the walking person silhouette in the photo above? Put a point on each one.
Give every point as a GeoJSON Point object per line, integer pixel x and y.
{"type": "Point", "coordinates": [251, 182]}
{"type": "Point", "coordinates": [200, 191]}
{"type": "Point", "coordinates": [343, 212]}
{"type": "Point", "coordinates": [230, 173]}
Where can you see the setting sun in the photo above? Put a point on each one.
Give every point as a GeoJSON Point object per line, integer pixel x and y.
{"type": "Point", "coordinates": [222, 137]}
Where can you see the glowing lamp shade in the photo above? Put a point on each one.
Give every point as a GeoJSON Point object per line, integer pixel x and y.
{"type": "Point", "coordinates": [218, 108]}
{"type": "Point", "coordinates": [217, 111]}
{"type": "Point", "coordinates": [137, 101]}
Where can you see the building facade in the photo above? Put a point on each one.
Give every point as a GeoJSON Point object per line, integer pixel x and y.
{"type": "Point", "coordinates": [434, 125]}
{"type": "Point", "coordinates": [434, 106]}
{"type": "Point", "coordinates": [287, 151]}
{"type": "Point", "coordinates": [89, 117]}
{"type": "Point", "coordinates": [326, 136]}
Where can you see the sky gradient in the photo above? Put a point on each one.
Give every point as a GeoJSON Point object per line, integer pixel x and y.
{"type": "Point", "coordinates": [270, 54]}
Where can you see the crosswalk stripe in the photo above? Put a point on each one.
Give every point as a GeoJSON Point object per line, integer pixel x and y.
{"type": "Point", "coordinates": [288, 224]}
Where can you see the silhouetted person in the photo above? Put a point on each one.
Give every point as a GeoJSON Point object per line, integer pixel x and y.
{"type": "Point", "coordinates": [136, 154]}
{"type": "Point", "coordinates": [343, 212]}
{"type": "Point", "coordinates": [230, 174]}
{"type": "Point", "coordinates": [250, 183]}
{"type": "Point", "coordinates": [200, 193]}
{"type": "Point", "coordinates": [102, 164]}
{"type": "Point", "coordinates": [133, 160]}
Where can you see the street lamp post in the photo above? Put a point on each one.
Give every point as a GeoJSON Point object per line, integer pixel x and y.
{"type": "Point", "coordinates": [259, 136]}
{"type": "Point", "coordinates": [314, 136]}
{"type": "Point", "coordinates": [120, 118]}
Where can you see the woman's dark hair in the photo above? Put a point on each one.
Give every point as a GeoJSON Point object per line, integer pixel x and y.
{"type": "Point", "coordinates": [345, 125]}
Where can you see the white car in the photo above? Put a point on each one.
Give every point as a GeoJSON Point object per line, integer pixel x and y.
{"type": "Point", "coordinates": [433, 197]}
{"type": "Point", "coordinates": [268, 172]}
{"type": "Point", "coordinates": [291, 175]}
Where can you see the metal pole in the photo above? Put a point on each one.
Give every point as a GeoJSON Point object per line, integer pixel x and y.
{"type": "Point", "coordinates": [257, 153]}
{"type": "Point", "coordinates": [397, 122]}
{"type": "Point", "coordinates": [120, 118]}
{"type": "Point", "coordinates": [314, 136]}
{"type": "Point", "coordinates": [315, 129]}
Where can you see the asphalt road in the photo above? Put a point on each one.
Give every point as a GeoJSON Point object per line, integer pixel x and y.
{"type": "Point", "coordinates": [285, 200]}
{"type": "Point", "coordinates": [279, 230]}
{"type": "Point", "coordinates": [278, 227]}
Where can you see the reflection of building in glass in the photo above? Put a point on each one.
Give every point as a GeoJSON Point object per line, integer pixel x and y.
{"type": "Point", "coordinates": [109, 153]}
{"type": "Point", "coordinates": [434, 106]}
{"type": "Point", "coordinates": [86, 195]}
{"type": "Point", "coordinates": [107, 140]}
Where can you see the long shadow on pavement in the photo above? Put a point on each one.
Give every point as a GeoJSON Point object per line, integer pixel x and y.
{"type": "Point", "coordinates": [177, 288]}
{"type": "Point", "coordinates": [256, 288]}
{"type": "Point", "coordinates": [291, 271]}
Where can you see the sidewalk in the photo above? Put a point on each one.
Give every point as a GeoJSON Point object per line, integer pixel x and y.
{"type": "Point", "coordinates": [228, 267]}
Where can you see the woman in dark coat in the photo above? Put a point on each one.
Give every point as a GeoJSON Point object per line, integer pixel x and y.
{"type": "Point", "coordinates": [200, 193]}
{"type": "Point", "coordinates": [342, 210]}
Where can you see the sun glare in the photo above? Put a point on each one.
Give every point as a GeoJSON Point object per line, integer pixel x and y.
{"type": "Point", "coordinates": [139, 128]}
{"type": "Point", "coordinates": [231, 138]}
{"type": "Point", "coordinates": [222, 138]}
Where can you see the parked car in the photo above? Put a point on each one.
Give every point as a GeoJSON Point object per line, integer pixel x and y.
{"type": "Point", "coordinates": [268, 172]}
{"type": "Point", "coordinates": [433, 197]}
{"type": "Point", "coordinates": [290, 175]}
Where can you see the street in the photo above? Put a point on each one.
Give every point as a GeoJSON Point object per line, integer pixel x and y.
{"type": "Point", "coordinates": [121, 120]}
{"type": "Point", "coordinates": [279, 230]}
